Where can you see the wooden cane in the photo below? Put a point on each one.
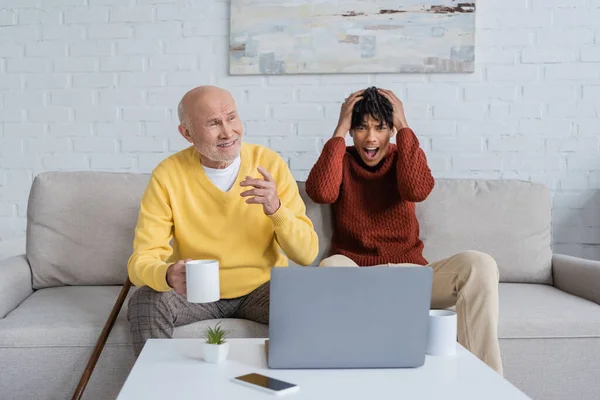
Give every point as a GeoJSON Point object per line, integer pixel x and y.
{"type": "Point", "coordinates": [87, 373]}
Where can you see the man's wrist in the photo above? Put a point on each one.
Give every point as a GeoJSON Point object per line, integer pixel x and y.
{"type": "Point", "coordinates": [277, 208]}
{"type": "Point", "coordinates": [167, 276]}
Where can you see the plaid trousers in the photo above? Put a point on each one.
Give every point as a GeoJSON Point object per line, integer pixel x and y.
{"type": "Point", "coordinates": [153, 314]}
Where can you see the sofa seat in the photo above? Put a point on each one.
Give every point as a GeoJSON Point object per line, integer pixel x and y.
{"type": "Point", "coordinates": [75, 315]}
{"type": "Point", "coordinates": [63, 316]}
{"type": "Point", "coordinates": [61, 326]}
{"type": "Point", "coordinates": [64, 323]}
{"type": "Point", "coordinates": [546, 332]}
{"type": "Point", "coordinates": [530, 311]}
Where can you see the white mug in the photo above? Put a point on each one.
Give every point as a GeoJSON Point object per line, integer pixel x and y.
{"type": "Point", "coordinates": [441, 339]}
{"type": "Point", "coordinates": [202, 281]}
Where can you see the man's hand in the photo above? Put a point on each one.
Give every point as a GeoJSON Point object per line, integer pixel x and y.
{"type": "Point", "coordinates": [176, 276]}
{"type": "Point", "coordinates": [399, 116]}
{"type": "Point", "coordinates": [345, 120]}
{"type": "Point", "coordinates": [264, 192]}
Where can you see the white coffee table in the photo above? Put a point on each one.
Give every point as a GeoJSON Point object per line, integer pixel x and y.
{"type": "Point", "coordinates": [174, 368]}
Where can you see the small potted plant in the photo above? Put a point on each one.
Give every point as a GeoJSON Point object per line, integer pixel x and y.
{"type": "Point", "coordinates": [216, 347]}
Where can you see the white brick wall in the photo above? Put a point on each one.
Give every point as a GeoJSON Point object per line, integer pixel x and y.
{"type": "Point", "coordinates": [94, 84]}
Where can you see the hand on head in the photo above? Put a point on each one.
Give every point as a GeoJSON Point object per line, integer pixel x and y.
{"type": "Point", "coordinates": [345, 120]}
{"type": "Point", "coordinates": [398, 109]}
{"type": "Point", "coordinates": [372, 116]}
{"type": "Point", "coordinates": [377, 102]}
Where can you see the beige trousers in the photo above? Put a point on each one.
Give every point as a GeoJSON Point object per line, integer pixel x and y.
{"type": "Point", "coordinates": [469, 281]}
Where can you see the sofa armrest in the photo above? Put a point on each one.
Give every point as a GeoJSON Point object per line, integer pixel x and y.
{"type": "Point", "coordinates": [15, 283]}
{"type": "Point", "coordinates": [577, 276]}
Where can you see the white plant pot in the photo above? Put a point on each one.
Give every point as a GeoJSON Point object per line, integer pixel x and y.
{"type": "Point", "coordinates": [215, 353]}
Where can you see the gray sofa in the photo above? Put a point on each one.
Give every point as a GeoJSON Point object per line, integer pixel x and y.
{"type": "Point", "coordinates": [54, 300]}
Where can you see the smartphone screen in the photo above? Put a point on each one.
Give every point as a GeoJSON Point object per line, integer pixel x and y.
{"type": "Point", "coordinates": [266, 382]}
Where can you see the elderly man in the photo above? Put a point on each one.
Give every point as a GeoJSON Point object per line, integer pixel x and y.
{"type": "Point", "coordinates": [373, 187]}
{"type": "Point", "coordinates": [218, 199]}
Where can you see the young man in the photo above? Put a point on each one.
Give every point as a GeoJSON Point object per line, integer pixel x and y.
{"type": "Point", "coordinates": [373, 187]}
{"type": "Point", "coordinates": [218, 199]}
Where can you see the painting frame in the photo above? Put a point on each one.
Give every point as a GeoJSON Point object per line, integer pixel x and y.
{"type": "Point", "coordinates": [277, 37]}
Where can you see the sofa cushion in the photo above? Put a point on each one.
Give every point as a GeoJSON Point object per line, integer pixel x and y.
{"type": "Point", "coordinates": [553, 368]}
{"type": "Point", "coordinates": [508, 219]}
{"type": "Point", "coordinates": [320, 215]}
{"type": "Point", "coordinates": [80, 227]}
{"type": "Point", "coordinates": [57, 370]}
{"type": "Point", "coordinates": [75, 316]}
{"type": "Point", "coordinates": [530, 311]}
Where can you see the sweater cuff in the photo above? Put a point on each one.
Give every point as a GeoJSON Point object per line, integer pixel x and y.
{"type": "Point", "coordinates": [282, 217]}
{"type": "Point", "coordinates": [160, 278]}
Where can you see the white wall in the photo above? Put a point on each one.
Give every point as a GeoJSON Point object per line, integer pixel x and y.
{"type": "Point", "coordinates": [12, 247]}
{"type": "Point", "coordinates": [93, 85]}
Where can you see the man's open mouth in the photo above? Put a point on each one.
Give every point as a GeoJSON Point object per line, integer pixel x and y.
{"type": "Point", "coordinates": [371, 152]}
{"type": "Point", "coordinates": [227, 144]}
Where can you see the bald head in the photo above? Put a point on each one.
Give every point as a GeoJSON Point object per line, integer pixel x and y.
{"type": "Point", "coordinates": [209, 120]}
{"type": "Point", "coordinates": [199, 96]}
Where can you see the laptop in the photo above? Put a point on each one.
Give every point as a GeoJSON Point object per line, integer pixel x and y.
{"type": "Point", "coordinates": [348, 317]}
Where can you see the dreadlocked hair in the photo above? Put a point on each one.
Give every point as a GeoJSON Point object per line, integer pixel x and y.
{"type": "Point", "coordinates": [374, 104]}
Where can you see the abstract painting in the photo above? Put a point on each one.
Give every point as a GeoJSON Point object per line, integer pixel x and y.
{"type": "Point", "coordinates": [362, 36]}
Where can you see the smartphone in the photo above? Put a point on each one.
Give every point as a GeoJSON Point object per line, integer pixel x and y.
{"type": "Point", "coordinates": [266, 384]}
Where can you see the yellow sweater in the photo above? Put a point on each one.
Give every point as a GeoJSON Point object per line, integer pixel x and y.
{"type": "Point", "coordinates": [183, 215]}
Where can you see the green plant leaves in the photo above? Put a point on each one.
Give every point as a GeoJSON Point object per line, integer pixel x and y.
{"type": "Point", "coordinates": [215, 335]}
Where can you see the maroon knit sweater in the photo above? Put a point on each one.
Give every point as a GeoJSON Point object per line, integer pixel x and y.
{"type": "Point", "coordinates": [373, 208]}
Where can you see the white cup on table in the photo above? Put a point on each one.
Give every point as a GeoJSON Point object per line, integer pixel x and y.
{"type": "Point", "coordinates": [202, 281]}
{"type": "Point", "coordinates": [441, 338]}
